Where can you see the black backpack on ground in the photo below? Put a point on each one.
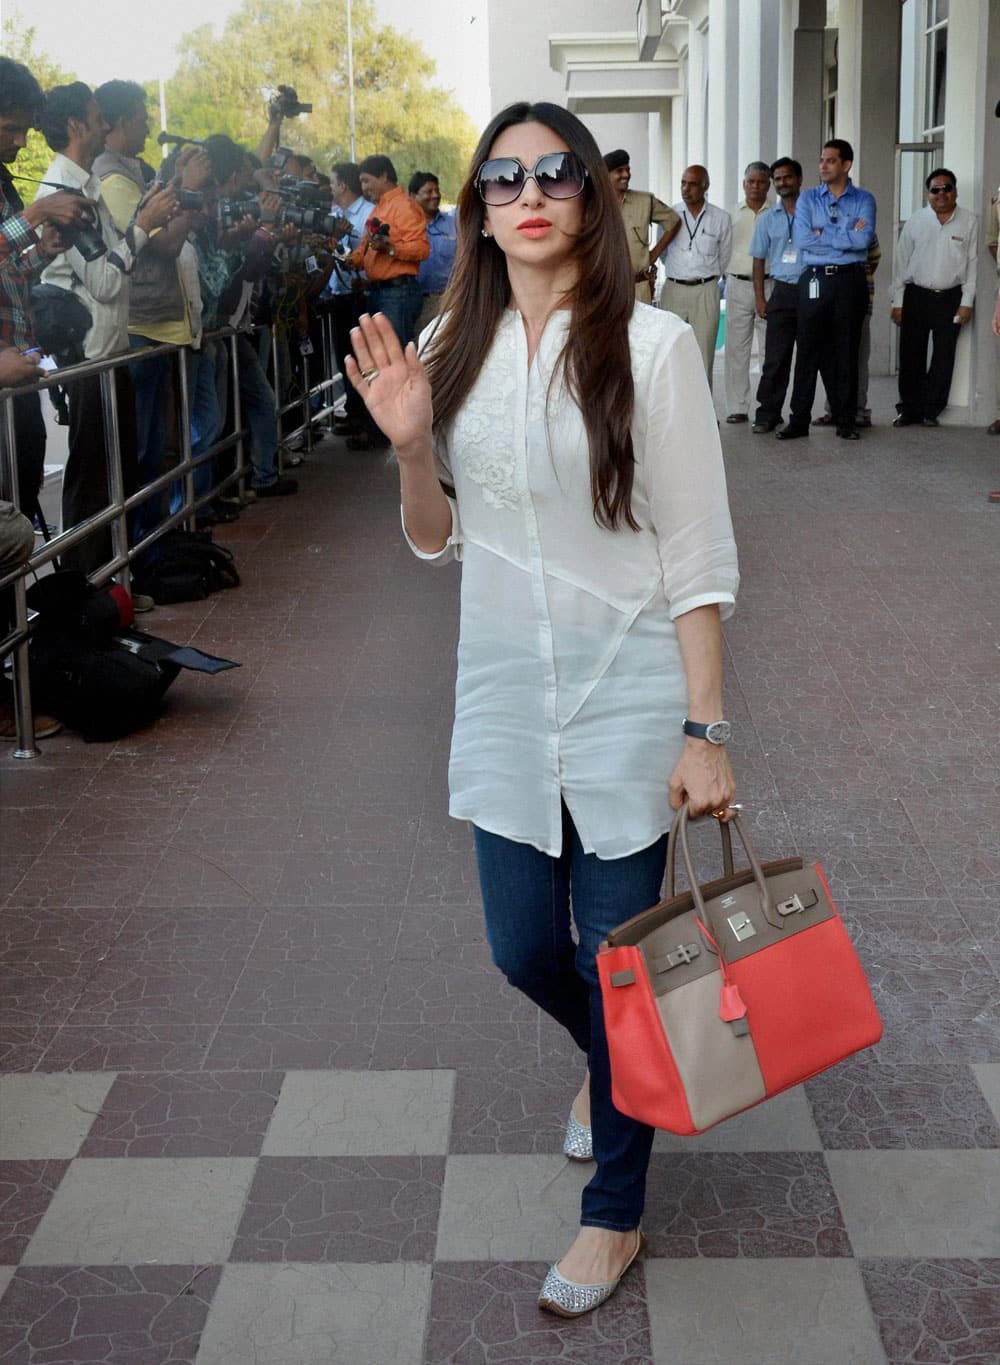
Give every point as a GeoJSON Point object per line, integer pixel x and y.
{"type": "Point", "coordinates": [184, 566]}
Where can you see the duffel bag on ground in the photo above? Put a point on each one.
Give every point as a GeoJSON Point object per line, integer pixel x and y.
{"type": "Point", "coordinates": [105, 690]}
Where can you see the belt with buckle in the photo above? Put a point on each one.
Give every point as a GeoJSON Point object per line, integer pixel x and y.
{"type": "Point", "coordinates": [834, 269]}
{"type": "Point", "coordinates": [393, 282]}
{"type": "Point", "coordinates": [706, 279]}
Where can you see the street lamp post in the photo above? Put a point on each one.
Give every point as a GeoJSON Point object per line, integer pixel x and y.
{"type": "Point", "coordinates": [350, 79]}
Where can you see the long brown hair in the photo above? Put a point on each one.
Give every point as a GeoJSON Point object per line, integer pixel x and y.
{"type": "Point", "coordinates": [596, 358]}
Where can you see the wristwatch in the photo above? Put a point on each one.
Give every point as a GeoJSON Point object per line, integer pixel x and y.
{"type": "Point", "coordinates": [392, 249]}
{"type": "Point", "coordinates": [716, 731]}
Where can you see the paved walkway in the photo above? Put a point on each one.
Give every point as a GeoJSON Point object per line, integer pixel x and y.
{"type": "Point", "coordinates": [266, 1102]}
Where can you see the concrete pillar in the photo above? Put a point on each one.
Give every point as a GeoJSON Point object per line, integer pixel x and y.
{"type": "Point", "coordinates": [723, 101]}
{"type": "Point", "coordinates": [748, 127]}
{"type": "Point", "coordinates": [661, 174]}
{"type": "Point", "coordinates": [767, 149]}
{"type": "Point", "coordinates": [868, 117]}
{"type": "Point", "coordinates": [970, 127]}
{"type": "Point", "coordinates": [697, 113]}
{"type": "Point", "coordinates": [807, 87]}
{"type": "Point", "coordinates": [784, 76]}
{"type": "Point", "coordinates": [679, 157]}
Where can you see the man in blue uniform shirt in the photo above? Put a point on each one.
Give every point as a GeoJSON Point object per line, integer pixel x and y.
{"type": "Point", "coordinates": [775, 256]}
{"type": "Point", "coordinates": [833, 230]}
{"type": "Point", "coordinates": [442, 235]}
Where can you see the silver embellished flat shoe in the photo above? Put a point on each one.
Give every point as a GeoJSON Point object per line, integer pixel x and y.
{"type": "Point", "coordinates": [579, 1141]}
{"type": "Point", "coordinates": [571, 1300]}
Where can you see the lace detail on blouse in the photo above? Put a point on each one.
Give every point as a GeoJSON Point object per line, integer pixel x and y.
{"type": "Point", "coordinates": [645, 337]}
{"type": "Point", "coordinates": [484, 428]}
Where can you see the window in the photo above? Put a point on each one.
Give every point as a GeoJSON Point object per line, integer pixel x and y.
{"type": "Point", "coordinates": [935, 67]}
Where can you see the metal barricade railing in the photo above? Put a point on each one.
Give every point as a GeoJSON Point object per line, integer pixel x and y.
{"type": "Point", "coordinates": [322, 389]}
{"type": "Point", "coordinates": [116, 513]}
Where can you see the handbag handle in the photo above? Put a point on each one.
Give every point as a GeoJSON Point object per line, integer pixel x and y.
{"type": "Point", "coordinates": [728, 866]}
{"type": "Point", "coordinates": [680, 828]}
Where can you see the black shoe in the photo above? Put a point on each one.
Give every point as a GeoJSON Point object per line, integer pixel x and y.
{"type": "Point", "coordinates": [931, 422]}
{"type": "Point", "coordinates": [848, 434]}
{"type": "Point", "coordinates": [761, 428]}
{"type": "Point", "coordinates": [791, 433]}
{"type": "Point", "coordinates": [903, 421]}
{"type": "Point", "coordinates": [279, 489]}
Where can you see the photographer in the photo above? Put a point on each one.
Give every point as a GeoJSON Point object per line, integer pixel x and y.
{"type": "Point", "coordinates": [30, 238]}
{"type": "Point", "coordinates": [159, 306]}
{"type": "Point", "coordinates": [393, 245]}
{"type": "Point", "coordinates": [232, 261]}
{"type": "Point", "coordinates": [75, 129]}
{"type": "Point", "coordinates": [285, 104]}
{"type": "Point", "coordinates": [345, 294]}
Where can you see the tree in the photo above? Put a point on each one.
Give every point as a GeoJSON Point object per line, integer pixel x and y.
{"type": "Point", "coordinates": [18, 43]}
{"type": "Point", "coordinates": [221, 85]}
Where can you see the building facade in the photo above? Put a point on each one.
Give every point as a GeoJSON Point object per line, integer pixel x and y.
{"type": "Point", "coordinates": [910, 83]}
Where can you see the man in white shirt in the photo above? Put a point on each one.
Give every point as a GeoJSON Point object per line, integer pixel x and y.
{"type": "Point", "coordinates": [75, 129]}
{"type": "Point", "coordinates": [742, 320]}
{"type": "Point", "coordinates": [698, 255]}
{"type": "Point", "coordinates": [933, 292]}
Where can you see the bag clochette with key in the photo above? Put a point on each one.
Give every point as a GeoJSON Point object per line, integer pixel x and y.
{"type": "Point", "coordinates": [726, 994]}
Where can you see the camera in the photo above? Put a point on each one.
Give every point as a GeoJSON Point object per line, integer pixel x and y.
{"type": "Point", "coordinates": [376, 228]}
{"type": "Point", "coordinates": [311, 220]}
{"type": "Point", "coordinates": [232, 210]}
{"type": "Point", "coordinates": [306, 206]}
{"type": "Point", "coordinates": [189, 201]}
{"type": "Point", "coordinates": [287, 103]}
{"type": "Point", "coordinates": [87, 238]}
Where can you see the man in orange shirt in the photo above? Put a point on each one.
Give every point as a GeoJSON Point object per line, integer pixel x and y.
{"type": "Point", "coordinates": [393, 245]}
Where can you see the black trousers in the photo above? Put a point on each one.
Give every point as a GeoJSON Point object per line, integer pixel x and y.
{"type": "Point", "coordinates": [927, 315]}
{"type": "Point", "coordinates": [85, 481]}
{"type": "Point", "coordinates": [827, 336]}
{"type": "Point", "coordinates": [29, 436]}
{"type": "Point", "coordinates": [779, 343]}
{"type": "Point", "coordinates": [345, 309]}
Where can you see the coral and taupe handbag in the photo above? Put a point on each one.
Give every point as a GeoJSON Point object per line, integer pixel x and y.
{"type": "Point", "coordinates": [727, 994]}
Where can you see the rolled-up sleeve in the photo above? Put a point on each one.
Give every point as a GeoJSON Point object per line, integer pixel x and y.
{"type": "Point", "coordinates": [685, 483]}
{"type": "Point", "coordinates": [452, 548]}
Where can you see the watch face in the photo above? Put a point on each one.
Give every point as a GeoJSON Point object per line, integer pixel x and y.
{"type": "Point", "coordinates": [719, 732]}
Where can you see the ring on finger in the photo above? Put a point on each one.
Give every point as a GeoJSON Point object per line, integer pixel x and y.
{"type": "Point", "coordinates": [369, 376]}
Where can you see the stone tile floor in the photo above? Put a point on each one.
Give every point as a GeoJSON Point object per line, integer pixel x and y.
{"type": "Point", "coordinates": [264, 1101]}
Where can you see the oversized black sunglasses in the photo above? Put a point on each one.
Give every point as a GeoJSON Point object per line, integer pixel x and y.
{"type": "Point", "coordinates": [559, 175]}
{"type": "Point", "coordinates": [940, 189]}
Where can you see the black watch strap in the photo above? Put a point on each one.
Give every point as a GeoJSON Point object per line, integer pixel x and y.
{"type": "Point", "coordinates": [716, 731]}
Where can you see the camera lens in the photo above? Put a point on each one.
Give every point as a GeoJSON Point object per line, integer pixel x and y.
{"type": "Point", "coordinates": [89, 242]}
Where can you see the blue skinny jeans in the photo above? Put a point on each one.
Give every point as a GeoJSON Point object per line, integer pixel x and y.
{"type": "Point", "coordinates": [530, 900]}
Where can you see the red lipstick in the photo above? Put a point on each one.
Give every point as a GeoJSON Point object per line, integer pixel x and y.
{"type": "Point", "coordinates": [534, 227]}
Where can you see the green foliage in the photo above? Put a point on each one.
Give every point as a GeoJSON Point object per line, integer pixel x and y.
{"type": "Point", "coordinates": [18, 43]}
{"type": "Point", "coordinates": [222, 82]}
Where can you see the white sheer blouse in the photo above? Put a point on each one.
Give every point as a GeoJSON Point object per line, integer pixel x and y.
{"type": "Point", "coordinates": [570, 681]}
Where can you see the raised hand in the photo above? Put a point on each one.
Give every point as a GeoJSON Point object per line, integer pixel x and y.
{"type": "Point", "coordinates": [158, 208]}
{"type": "Point", "coordinates": [392, 383]}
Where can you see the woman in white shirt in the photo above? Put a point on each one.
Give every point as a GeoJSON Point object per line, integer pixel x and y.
{"type": "Point", "coordinates": [560, 441]}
